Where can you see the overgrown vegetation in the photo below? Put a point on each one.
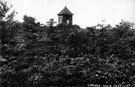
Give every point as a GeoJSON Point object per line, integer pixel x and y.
{"type": "Point", "coordinates": [35, 55]}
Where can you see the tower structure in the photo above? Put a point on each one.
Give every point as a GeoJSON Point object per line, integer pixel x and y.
{"type": "Point", "coordinates": [65, 17]}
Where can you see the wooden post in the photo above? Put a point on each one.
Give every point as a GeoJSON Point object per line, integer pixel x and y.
{"type": "Point", "coordinates": [0, 47]}
{"type": "Point", "coordinates": [0, 39]}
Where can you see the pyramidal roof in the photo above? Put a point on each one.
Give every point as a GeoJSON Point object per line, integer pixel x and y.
{"type": "Point", "coordinates": [65, 11]}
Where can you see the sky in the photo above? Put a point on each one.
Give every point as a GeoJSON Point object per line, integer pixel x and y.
{"type": "Point", "coordinates": [86, 12]}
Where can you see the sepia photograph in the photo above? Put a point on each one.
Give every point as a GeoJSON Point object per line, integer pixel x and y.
{"type": "Point", "coordinates": [67, 43]}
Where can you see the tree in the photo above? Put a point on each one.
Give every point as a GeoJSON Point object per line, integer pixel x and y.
{"type": "Point", "coordinates": [65, 55]}
{"type": "Point", "coordinates": [7, 30]}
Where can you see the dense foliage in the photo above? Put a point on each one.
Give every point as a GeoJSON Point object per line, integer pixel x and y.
{"type": "Point", "coordinates": [34, 55]}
